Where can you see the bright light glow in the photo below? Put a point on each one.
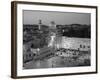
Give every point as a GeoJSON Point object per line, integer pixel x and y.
{"type": "Point", "coordinates": [51, 43]}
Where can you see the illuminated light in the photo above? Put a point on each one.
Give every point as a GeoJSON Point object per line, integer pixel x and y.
{"type": "Point", "coordinates": [52, 40]}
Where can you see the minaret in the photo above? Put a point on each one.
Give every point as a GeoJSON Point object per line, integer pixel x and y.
{"type": "Point", "coordinates": [40, 23]}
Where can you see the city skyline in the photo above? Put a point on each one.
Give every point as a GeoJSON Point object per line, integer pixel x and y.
{"type": "Point", "coordinates": [60, 18]}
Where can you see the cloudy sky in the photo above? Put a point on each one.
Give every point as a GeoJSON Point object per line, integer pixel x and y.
{"type": "Point", "coordinates": [33, 17]}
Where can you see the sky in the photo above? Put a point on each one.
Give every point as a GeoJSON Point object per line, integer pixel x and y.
{"type": "Point", "coordinates": [60, 18]}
